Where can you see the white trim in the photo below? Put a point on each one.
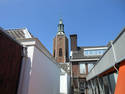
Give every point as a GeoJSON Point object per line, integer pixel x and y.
{"type": "Point", "coordinates": [27, 34]}
{"type": "Point", "coordinates": [35, 42]}
{"type": "Point", "coordinates": [71, 53]}
{"type": "Point", "coordinates": [99, 48]}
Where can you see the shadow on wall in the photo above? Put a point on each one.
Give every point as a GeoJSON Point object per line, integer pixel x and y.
{"type": "Point", "coordinates": [25, 76]}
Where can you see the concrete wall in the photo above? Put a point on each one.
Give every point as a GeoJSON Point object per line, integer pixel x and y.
{"type": "Point", "coordinates": [40, 73]}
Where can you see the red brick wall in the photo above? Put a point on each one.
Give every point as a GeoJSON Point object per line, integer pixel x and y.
{"type": "Point", "coordinates": [60, 41]}
{"type": "Point", "coordinates": [10, 65]}
{"type": "Point", "coordinates": [73, 41]}
{"type": "Point", "coordinates": [75, 69]}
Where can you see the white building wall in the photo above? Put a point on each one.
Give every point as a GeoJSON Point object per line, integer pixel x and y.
{"type": "Point", "coordinates": [69, 84]}
{"type": "Point", "coordinates": [64, 83]}
{"type": "Point", "coordinates": [26, 70]}
{"type": "Point", "coordinates": [44, 76]}
{"type": "Point", "coordinates": [40, 74]}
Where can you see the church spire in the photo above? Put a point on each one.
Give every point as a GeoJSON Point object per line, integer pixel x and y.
{"type": "Point", "coordinates": [60, 27]}
{"type": "Point", "coordinates": [60, 45]}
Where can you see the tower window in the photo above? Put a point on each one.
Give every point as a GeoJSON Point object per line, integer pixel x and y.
{"type": "Point", "coordinates": [60, 51]}
{"type": "Point", "coordinates": [66, 53]}
{"type": "Point", "coordinates": [54, 53]}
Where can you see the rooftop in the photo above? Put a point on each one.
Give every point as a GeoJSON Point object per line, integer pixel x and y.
{"type": "Point", "coordinates": [19, 33]}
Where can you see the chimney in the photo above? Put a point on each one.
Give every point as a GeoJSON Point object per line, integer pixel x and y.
{"type": "Point", "coordinates": [73, 41]}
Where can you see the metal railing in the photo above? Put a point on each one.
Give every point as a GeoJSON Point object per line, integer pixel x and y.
{"type": "Point", "coordinates": [114, 55]}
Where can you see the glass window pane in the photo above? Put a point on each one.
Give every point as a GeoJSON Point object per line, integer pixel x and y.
{"type": "Point", "coordinates": [94, 52]}
{"type": "Point", "coordinates": [90, 66]}
{"type": "Point", "coordinates": [82, 69]}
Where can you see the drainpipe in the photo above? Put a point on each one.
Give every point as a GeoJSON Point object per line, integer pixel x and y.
{"type": "Point", "coordinates": [22, 73]}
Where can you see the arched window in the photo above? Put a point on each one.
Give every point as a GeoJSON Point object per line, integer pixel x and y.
{"type": "Point", "coordinates": [60, 51]}
{"type": "Point", "coordinates": [54, 53]}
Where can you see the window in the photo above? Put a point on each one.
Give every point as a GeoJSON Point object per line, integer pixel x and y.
{"type": "Point", "coordinates": [60, 51]}
{"type": "Point", "coordinates": [54, 53]}
{"type": "Point", "coordinates": [90, 66]}
{"type": "Point", "coordinates": [82, 69]}
{"type": "Point", "coordinates": [60, 38]}
{"type": "Point", "coordinates": [94, 52]}
{"type": "Point", "coordinates": [66, 53]}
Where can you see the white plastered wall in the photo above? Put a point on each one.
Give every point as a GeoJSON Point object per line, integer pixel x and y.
{"type": "Point", "coordinates": [64, 83]}
{"type": "Point", "coordinates": [45, 75]}
{"type": "Point", "coordinates": [40, 74]}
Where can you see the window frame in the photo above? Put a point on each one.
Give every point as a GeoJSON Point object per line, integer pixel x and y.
{"type": "Point", "coordinates": [60, 52]}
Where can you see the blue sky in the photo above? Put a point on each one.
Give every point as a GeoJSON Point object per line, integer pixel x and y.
{"type": "Point", "coordinates": [94, 21]}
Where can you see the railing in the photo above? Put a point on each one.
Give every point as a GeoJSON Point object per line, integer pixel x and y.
{"type": "Point", "coordinates": [114, 55]}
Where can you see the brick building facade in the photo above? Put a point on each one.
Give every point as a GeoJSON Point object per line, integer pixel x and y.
{"type": "Point", "coordinates": [82, 60]}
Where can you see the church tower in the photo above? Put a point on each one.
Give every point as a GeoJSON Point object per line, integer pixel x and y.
{"type": "Point", "coordinates": [60, 45]}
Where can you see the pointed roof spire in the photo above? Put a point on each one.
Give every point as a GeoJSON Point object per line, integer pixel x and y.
{"type": "Point", "coordinates": [60, 28]}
